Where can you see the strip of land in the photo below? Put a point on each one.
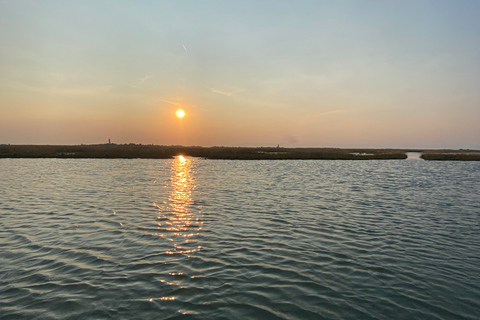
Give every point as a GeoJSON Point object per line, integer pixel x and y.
{"type": "Point", "coordinates": [451, 155]}
{"type": "Point", "coordinates": [132, 151]}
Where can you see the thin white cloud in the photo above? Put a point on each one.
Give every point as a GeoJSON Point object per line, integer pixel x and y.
{"type": "Point", "coordinates": [142, 80]}
{"type": "Point", "coordinates": [226, 93]}
{"type": "Point", "coordinates": [185, 48]}
{"type": "Point", "coordinates": [77, 90]}
{"type": "Point", "coordinates": [331, 112]}
{"type": "Point", "coordinates": [177, 104]}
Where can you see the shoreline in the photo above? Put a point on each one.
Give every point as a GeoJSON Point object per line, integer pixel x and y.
{"type": "Point", "coordinates": [132, 151]}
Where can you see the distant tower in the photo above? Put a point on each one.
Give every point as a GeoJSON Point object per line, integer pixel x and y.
{"type": "Point", "coordinates": [109, 141]}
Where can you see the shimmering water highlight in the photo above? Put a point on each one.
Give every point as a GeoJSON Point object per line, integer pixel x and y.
{"type": "Point", "coordinates": [204, 239]}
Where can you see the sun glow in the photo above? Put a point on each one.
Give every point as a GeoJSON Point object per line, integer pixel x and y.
{"type": "Point", "coordinates": [180, 113]}
{"type": "Point", "coordinates": [180, 220]}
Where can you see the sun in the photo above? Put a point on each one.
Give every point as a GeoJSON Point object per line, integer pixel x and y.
{"type": "Point", "coordinates": [180, 113]}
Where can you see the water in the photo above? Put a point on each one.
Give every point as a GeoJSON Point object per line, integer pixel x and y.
{"type": "Point", "coordinates": [204, 239]}
{"type": "Point", "coordinates": [414, 155]}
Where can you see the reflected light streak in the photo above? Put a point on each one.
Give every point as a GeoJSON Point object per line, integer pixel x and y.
{"type": "Point", "coordinates": [181, 224]}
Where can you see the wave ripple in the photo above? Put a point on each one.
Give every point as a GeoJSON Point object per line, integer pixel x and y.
{"type": "Point", "coordinates": [204, 239]}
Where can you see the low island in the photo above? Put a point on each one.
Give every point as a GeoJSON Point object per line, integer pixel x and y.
{"type": "Point", "coordinates": [131, 151]}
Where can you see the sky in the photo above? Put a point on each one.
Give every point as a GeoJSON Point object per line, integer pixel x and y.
{"type": "Point", "coordinates": [362, 74]}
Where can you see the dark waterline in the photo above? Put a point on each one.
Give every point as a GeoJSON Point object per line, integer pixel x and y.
{"type": "Point", "coordinates": [202, 239]}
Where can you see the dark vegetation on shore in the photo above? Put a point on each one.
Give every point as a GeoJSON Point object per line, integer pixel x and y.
{"type": "Point", "coordinates": [131, 151]}
{"type": "Point", "coordinates": [109, 151]}
{"type": "Point", "coordinates": [451, 155]}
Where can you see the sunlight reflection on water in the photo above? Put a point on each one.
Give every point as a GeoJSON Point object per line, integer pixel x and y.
{"type": "Point", "coordinates": [180, 222]}
{"type": "Point", "coordinates": [284, 239]}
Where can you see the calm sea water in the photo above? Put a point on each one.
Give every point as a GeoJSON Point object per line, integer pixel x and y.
{"type": "Point", "coordinates": [204, 239]}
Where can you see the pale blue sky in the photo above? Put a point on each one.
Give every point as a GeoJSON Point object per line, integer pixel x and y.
{"type": "Point", "coordinates": [248, 73]}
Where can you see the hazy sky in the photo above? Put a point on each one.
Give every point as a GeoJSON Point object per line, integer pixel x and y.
{"type": "Point", "coordinates": [247, 73]}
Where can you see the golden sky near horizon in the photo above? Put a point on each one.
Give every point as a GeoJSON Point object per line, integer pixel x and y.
{"type": "Point", "coordinates": [308, 73]}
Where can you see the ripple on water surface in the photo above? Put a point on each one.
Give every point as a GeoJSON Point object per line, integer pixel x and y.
{"type": "Point", "coordinates": [201, 239]}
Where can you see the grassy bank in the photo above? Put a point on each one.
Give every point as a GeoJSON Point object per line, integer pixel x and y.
{"type": "Point", "coordinates": [450, 155]}
{"type": "Point", "coordinates": [111, 151]}
{"type": "Point", "coordinates": [114, 151]}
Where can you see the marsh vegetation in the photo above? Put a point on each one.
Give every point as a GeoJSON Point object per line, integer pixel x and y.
{"type": "Point", "coordinates": [131, 151]}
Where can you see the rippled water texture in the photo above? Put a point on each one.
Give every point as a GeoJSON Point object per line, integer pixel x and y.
{"type": "Point", "coordinates": [204, 239]}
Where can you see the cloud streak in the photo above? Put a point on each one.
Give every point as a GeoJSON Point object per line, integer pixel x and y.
{"type": "Point", "coordinates": [331, 112]}
{"type": "Point", "coordinates": [176, 104]}
{"type": "Point", "coordinates": [142, 80]}
{"type": "Point", "coordinates": [226, 93]}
